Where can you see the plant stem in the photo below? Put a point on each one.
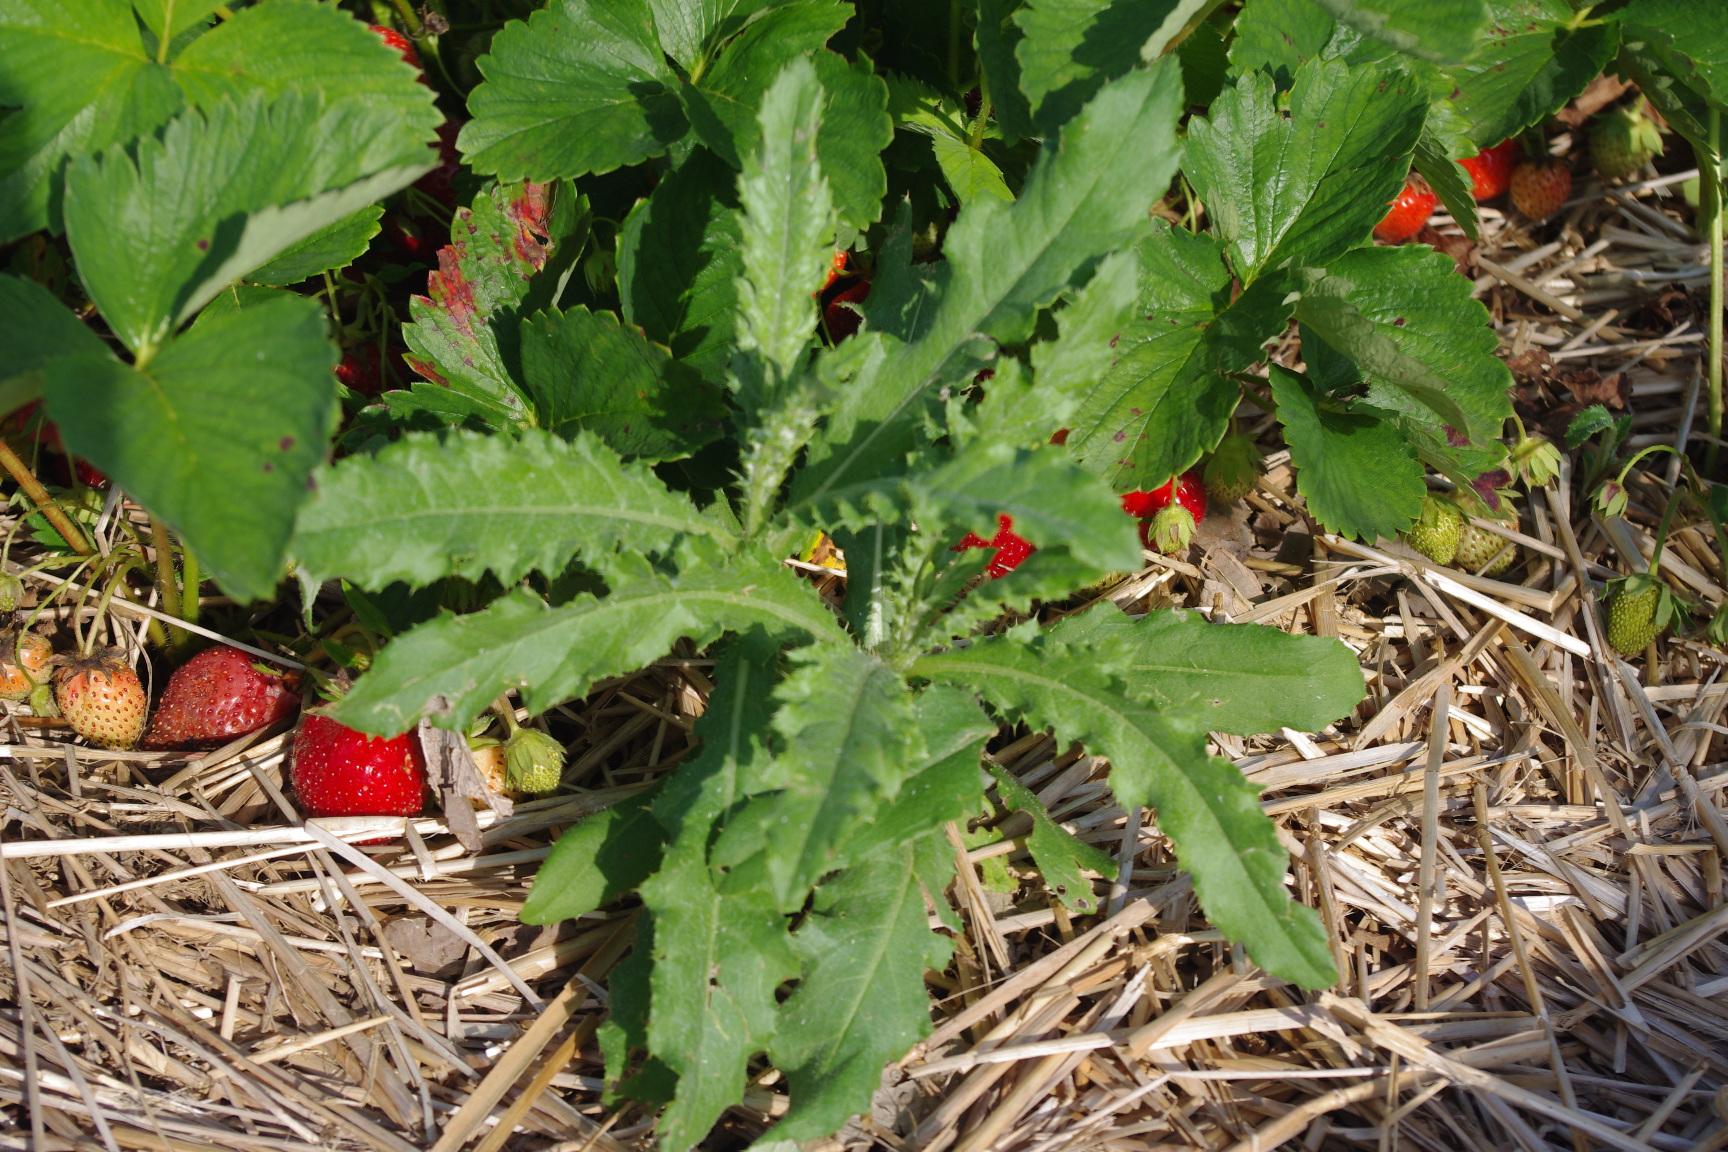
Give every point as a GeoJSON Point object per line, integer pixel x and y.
{"type": "Point", "coordinates": [1710, 189]}
{"type": "Point", "coordinates": [1662, 530]}
{"type": "Point", "coordinates": [167, 584]}
{"type": "Point", "coordinates": [45, 504]}
{"type": "Point", "coordinates": [506, 712]}
{"type": "Point", "coordinates": [190, 581]}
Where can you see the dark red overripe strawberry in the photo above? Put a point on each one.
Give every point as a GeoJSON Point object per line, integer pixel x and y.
{"type": "Point", "coordinates": [217, 695]}
{"type": "Point", "coordinates": [337, 771]}
{"type": "Point", "coordinates": [1491, 171]}
{"type": "Point", "coordinates": [841, 320]}
{"type": "Point", "coordinates": [407, 238]}
{"type": "Point", "coordinates": [1011, 548]}
{"type": "Point", "coordinates": [1409, 212]}
{"type": "Point", "coordinates": [361, 369]}
{"type": "Point", "coordinates": [404, 46]}
{"type": "Point", "coordinates": [1169, 513]}
{"type": "Point", "coordinates": [1540, 187]}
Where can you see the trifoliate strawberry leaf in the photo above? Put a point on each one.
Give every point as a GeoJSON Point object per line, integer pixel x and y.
{"type": "Point", "coordinates": [1243, 679]}
{"type": "Point", "coordinates": [1535, 57]}
{"type": "Point", "coordinates": [554, 654]}
{"type": "Point", "coordinates": [332, 247]}
{"type": "Point", "coordinates": [1167, 393]}
{"type": "Point", "coordinates": [78, 80]}
{"type": "Point", "coordinates": [1282, 35]}
{"type": "Point", "coordinates": [1204, 805]}
{"type": "Point", "coordinates": [848, 735]}
{"type": "Point", "coordinates": [998, 41]}
{"type": "Point", "coordinates": [464, 503]}
{"type": "Point", "coordinates": [1069, 48]}
{"type": "Point", "coordinates": [83, 80]}
{"type": "Point", "coordinates": [1061, 859]}
{"type": "Point", "coordinates": [679, 261]}
{"type": "Point", "coordinates": [722, 102]}
{"type": "Point", "coordinates": [1423, 344]}
{"type": "Point", "coordinates": [861, 1002]}
{"type": "Point", "coordinates": [719, 957]}
{"type": "Point", "coordinates": [856, 128]}
{"type": "Point", "coordinates": [219, 194]}
{"type": "Point", "coordinates": [232, 414]}
{"type": "Point", "coordinates": [1355, 468]}
{"type": "Point", "coordinates": [1305, 184]}
{"type": "Point", "coordinates": [581, 87]}
{"type": "Point", "coordinates": [598, 860]}
{"type": "Point", "coordinates": [585, 370]}
{"type": "Point", "coordinates": [1087, 196]}
{"type": "Point", "coordinates": [470, 309]}
{"type": "Point", "coordinates": [168, 19]}
{"type": "Point", "coordinates": [788, 236]}
{"type": "Point", "coordinates": [1443, 33]}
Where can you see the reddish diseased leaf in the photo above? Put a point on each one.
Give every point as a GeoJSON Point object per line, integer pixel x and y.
{"type": "Point", "coordinates": [483, 275]}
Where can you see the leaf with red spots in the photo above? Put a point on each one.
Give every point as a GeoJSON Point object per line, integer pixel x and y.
{"type": "Point", "coordinates": [463, 330]}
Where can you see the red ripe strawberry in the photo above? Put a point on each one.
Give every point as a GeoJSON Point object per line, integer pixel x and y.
{"type": "Point", "coordinates": [27, 424]}
{"type": "Point", "coordinates": [838, 269]}
{"type": "Point", "coordinates": [1409, 212]}
{"type": "Point", "coordinates": [1540, 187]}
{"type": "Point", "coordinates": [1168, 514]}
{"type": "Point", "coordinates": [404, 46]}
{"type": "Point", "coordinates": [102, 700]}
{"type": "Point", "coordinates": [1011, 548]}
{"type": "Point", "coordinates": [842, 321]}
{"type": "Point", "coordinates": [24, 663]}
{"type": "Point", "coordinates": [1491, 171]}
{"type": "Point", "coordinates": [217, 695]}
{"type": "Point", "coordinates": [337, 771]}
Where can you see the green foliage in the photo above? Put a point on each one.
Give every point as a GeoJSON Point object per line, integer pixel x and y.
{"type": "Point", "coordinates": [627, 415]}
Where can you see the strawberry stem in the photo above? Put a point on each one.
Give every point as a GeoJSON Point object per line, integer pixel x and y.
{"type": "Point", "coordinates": [45, 503]}
{"type": "Point", "coordinates": [1710, 196]}
{"type": "Point", "coordinates": [167, 586]}
{"type": "Point", "coordinates": [506, 712]}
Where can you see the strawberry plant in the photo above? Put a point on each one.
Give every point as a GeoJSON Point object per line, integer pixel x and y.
{"type": "Point", "coordinates": [643, 381]}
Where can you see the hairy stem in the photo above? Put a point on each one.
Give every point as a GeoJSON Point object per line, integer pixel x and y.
{"type": "Point", "coordinates": [45, 504]}
{"type": "Point", "coordinates": [1710, 189]}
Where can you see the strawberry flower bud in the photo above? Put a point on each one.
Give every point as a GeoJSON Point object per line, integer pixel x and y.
{"type": "Point", "coordinates": [533, 761]}
{"type": "Point", "coordinates": [1536, 460]}
{"type": "Point", "coordinates": [1610, 499]}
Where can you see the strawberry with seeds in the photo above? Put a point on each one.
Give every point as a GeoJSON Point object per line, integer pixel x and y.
{"type": "Point", "coordinates": [1540, 187]}
{"type": "Point", "coordinates": [217, 695]}
{"type": "Point", "coordinates": [1169, 513]}
{"type": "Point", "coordinates": [1011, 548]}
{"type": "Point", "coordinates": [101, 698]}
{"type": "Point", "coordinates": [337, 771]}
{"type": "Point", "coordinates": [1408, 213]}
{"type": "Point", "coordinates": [1491, 171]}
{"type": "Point", "coordinates": [25, 663]}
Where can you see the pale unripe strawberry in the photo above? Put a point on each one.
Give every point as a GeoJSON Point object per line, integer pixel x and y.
{"type": "Point", "coordinates": [102, 699]}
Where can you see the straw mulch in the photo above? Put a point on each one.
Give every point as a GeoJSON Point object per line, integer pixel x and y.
{"type": "Point", "coordinates": [1517, 842]}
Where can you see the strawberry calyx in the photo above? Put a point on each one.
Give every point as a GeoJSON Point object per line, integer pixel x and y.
{"type": "Point", "coordinates": [1184, 494]}
{"type": "Point", "coordinates": [533, 762]}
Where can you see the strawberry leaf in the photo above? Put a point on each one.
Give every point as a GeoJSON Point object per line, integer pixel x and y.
{"type": "Point", "coordinates": [556, 653]}
{"type": "Point", "coordinates": [469, 313]}
{"type": "Point", "coordinates": [679, 261]}
{"type": "Point", "coordinates": [1692, 39]}
{"type": "Point", "coordinates": [998, 38]}
{"type": "Point", "coordinates": [1087, 196]}
{"type": "Point", "coordinates": [219, 194]}
{"type": "Point", "coordinates": [1355, 469]}
{"type": "Point", "coordinates": [585, 370]}
{"type": "Point", "coordinates": [464, 504]}
{"type": "Point", "coordinates": [36, 328]}
{"type": "Point", "coordinates": [1166, 396]}
{"type": "Point", "coordinates": [84, 80]}
{"type": "Point", "coordinates": [1440, 32]}
{"type": "Point", "coordinates": [334, 246]}
{"type": "Point", "coordinates": [1204, 805]}
{"type": "Point", "coordinates": [234, 413]}
{"type": "Point", "coordinates": [1069, 48]}
{"type": "Point", "coordinates": [1307, 184]}
{"type": "Point", "coordinates": [581, 87]}
{"type": "Point", "coordinates": [1061, 858]}
{"type": "Point", "coordinates": [1535, 57]}
{"type": "Point", "coordinates": [861, 1002]}
{"type": "Point", "coordinates": [1421, 343]}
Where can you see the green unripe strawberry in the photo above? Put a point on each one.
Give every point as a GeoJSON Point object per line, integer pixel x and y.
{"type": "Point", "coordinates": [11, 591]}
{"type": "Point", "coordinates": [1437, 530]}
{"type": "Point", "coordinates": [533, 762]}
{"type": "Point", "coordinates": [1639, 609]}
{"type": "Point", "coordinates": [1233, 469]}
{"type": "Point", "coordinates": [1479, 550]}
{"type": "Point", "coordinates": [1622, 142]}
